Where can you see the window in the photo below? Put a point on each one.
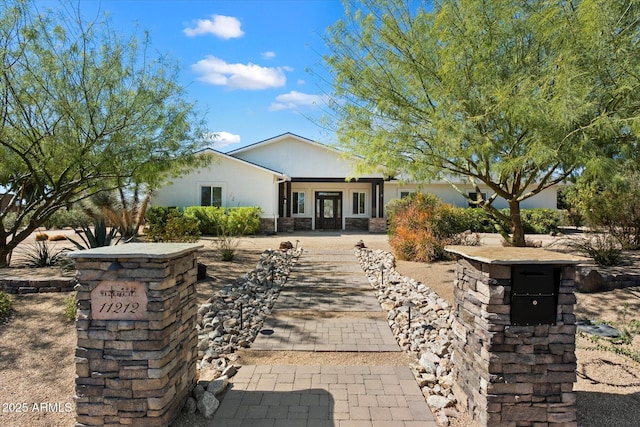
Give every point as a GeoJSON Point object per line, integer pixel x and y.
{"type": "Point", "coordinates": [359, 204]}
{"type": "Point", "coordinates": [474, 196]}
{"type": "Point", "coordinates": [210, 196]}
{"type": "Point", "coordinates": [405, 194]}
{"type": "Point", "coordinates": [298, 202]}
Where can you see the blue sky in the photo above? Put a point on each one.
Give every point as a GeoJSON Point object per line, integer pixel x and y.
{"type": "Point", "coordinates": [246, 63]}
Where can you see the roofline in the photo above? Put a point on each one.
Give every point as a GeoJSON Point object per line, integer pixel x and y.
{"type": "Point", "coordinates": [281, 137]}
{"type": "Point", "coordinates": [236, 159]}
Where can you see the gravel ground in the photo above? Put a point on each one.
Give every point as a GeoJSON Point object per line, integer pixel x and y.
{"type": "Point", "coordinates": [37, 343]}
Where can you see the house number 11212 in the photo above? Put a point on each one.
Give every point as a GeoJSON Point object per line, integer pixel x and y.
{"type": "Point", "coordinates": [119, 307]}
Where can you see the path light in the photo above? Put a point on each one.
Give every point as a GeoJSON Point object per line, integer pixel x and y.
{"type": "Point", "coordinates": [409, 304]}
{"type": "Point", "coordinates": [241, 316]}
{"type": "Point", "coordinates": [382, 268]}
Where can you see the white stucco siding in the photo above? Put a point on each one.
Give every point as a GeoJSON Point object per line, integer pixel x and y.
{"type": "Point", "coordinates": [546, 199]}
{"type": "Point", "coordinates": [242, 185]}
{"type": "Point", "coordinates": [297, 158]}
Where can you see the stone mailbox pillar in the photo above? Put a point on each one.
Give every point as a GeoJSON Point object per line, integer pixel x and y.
{"type": "Point", "coordinates": [137, 344]}
{"type": "Point", "coordinates": [514, 348]}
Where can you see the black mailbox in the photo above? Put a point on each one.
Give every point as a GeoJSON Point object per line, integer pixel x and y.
{"type": "Point", "coordinates": [534, 294]}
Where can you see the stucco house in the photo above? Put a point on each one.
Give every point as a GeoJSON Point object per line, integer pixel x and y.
{"type": "Point", "coordinates": [301, 184]}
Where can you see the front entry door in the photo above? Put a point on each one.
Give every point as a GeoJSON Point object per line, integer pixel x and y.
{"type": "Point", "coordinates": [328, 210]}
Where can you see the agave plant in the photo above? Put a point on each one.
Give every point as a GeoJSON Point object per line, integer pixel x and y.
{"type": "Point", "coordinates": [96, 238]}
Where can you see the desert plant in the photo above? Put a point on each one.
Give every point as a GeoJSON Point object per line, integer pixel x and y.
{"type": "Point", "coordinates": [41, 255]}
{"type": "Point", "coordinates": [124, 210]}
{"type": "Point", "coordinates": [602, 247]}
{"type": "Point", "coordinates": [96, 238]}
{"type": "Point", "coordinates": [611, 203]}
{"type": "Point", "coordinates": [70, 307]}
{"type": "Point", "coordinates": [419, 228]}
{"type": "Point", "coordinates": [6, 305]}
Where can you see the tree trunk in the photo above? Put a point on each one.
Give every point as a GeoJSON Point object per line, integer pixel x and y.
{"type": "Point", "coordinates": [517, 230]}
{"type": "Point", "coordinates": [5, 255]}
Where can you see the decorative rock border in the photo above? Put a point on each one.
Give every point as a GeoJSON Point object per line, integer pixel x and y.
{"type": "Point", "coordinates": [231, 319]}
{"type": "Point", "coordinates": [427, 335]}
{"type": "Point", "coordinates": [17, 285]}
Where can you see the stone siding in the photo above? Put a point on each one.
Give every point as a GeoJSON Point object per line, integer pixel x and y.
{"type": "Point", "coordinates": [17, 285]}
{"type": "Point", "coordinates": [141, 371]}
{"type": "Point", "coordinates": [356, 224]}
{"type": "Point", "coordinates": [286, 225]}
{"type": "Point", "coordinates": [302, 224]}
{"type": "Point", "coordinates": [377, 225]}
{"type": "Point", "coordinates": [509, 375]}
{"type": "Point", "coordinates": [267, 226]}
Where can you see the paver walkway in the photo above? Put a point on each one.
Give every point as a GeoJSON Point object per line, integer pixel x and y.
{"type": "Point", "coordinates": [321, 285]}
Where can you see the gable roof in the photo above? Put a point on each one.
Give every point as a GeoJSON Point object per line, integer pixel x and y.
{"type": "Point", "coordinates": [278, 138]}
{"type": "Point", "coordinates": [244, 162]}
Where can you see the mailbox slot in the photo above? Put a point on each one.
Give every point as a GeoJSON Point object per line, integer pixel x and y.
{"type": "Point", "coordinates": [534, 294]}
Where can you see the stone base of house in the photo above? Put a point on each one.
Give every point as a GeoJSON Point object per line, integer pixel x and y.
{"type": "Point", "coordinates": [356, 224]}
{"type": "Point", "coordinates": [302, 224]}
{"type": "Point", "coordinates": [267, 226]}
{"type": "Point", "coordinates": [377, 225]}
{"type": "Point", "coordinates": [286, 225]}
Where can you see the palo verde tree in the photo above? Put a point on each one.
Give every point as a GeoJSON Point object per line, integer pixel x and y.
{"type": "Point", "coordinates": [515, 95]}
{"type": "Point", "coordinates": [83, 110]}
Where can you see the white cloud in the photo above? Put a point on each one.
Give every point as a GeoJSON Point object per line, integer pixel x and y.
{"type": "Point", "coordinates": [295, 100]}
{"type": "Point", "coordinates": [249, 76]}
{"type": "Point", "coordinates": [301, 82]}
{"type": "Point", "coordinates": [268, 55]}
{"type": "Point", "coordinates": [226, 27]}
{"type": "Point", "coordinates": [221, 139]}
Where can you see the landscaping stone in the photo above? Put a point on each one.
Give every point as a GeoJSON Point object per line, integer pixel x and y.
{"type": "Point", "coordinates": [208, 404]}
{"type": "Point", "coordinates": [430, 336]}
{"type": "Point", "coordinates": [232, 318]}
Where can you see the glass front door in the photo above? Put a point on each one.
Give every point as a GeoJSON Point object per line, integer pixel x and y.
{"type": "Point", "coordinates": [328, 210]}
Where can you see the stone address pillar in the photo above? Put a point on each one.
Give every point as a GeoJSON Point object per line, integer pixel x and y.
{"type": "Point", "coordinates": [514, 327]}
{"type": "Point", "coordinates": [136, 324]}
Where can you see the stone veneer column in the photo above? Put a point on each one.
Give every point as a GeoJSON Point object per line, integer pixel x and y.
{"type": "Point", "coordinates": [136, 324]}
{"type": "Point", "coordinates": [506, 375]}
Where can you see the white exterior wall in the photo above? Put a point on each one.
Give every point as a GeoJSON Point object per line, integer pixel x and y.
{"type": "Point", "coordinates": [242, 185]}
{"type": "Point", "coordinates": [297, 158]}
{"type": "Point", "coordinates": [547, 198]}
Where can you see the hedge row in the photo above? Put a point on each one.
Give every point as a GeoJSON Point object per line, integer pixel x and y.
{"type": "Point", "coordinates": [172, 224]}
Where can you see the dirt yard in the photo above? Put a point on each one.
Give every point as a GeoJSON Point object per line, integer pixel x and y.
{"type": "Point", "coordinates": [37, 344]}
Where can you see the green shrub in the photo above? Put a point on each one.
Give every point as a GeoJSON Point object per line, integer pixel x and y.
{"type": "Point", "coordinates": [9, 220]}
{"type": "Point", "coordinates": [209, 218]}
{"type": "Point", "coordinates": [62, 218]}
{"type": "Point", "coordinates": [477, 220]}
{"type": "Point", "coordinates": [215, 221]}
{"type": "Point", "coordinates": [244, 221]}
{"type": "Point", "coordinates": [168, 224]}
{"type": "Point", "coordinates": [543, 221]}
{"type": "Point", "coordinates": [6, 305]}
{"type": "Point", "coordinates": [181, 229]}
{"type": "Point", "coordinates": [70, 307]}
